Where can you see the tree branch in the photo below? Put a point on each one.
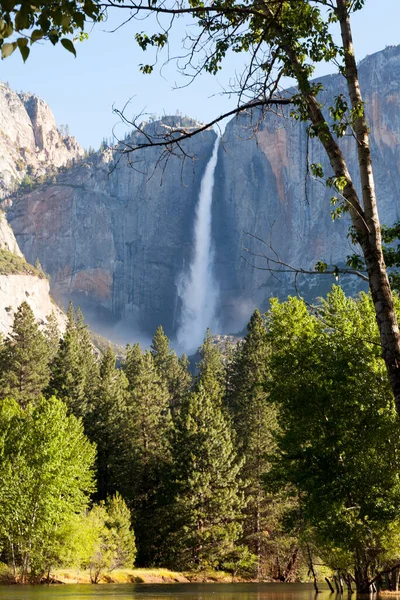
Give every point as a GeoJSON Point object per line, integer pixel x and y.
{"type": "Point", "coordinates": [170, 138]}
{"type": "Point", "coordinates": [284, 267]}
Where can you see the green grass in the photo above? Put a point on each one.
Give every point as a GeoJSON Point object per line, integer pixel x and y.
{"type": "Point", "coordinates": [11, 264]}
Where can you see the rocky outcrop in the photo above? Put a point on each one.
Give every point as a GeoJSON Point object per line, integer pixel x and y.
{"type": "Point", "coordinates": [15, 289]}
{"type": "Point", "coordinates": [21, 282]}
{"type": "Point", "coordinates": [116, 240]}
{"type": "Point", "coordinates": [7, 237]}
{"type": "Point", "coordinates": [30, 143]}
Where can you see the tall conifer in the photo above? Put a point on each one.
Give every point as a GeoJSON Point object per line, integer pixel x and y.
{"type": "Point", "coordinates": [173, 370]}
{"type": "Point", "coordinates": [104, 421]}
{"type": "Point", "coordinates": [25, 359]}
{"type": "Point", "coordinates": [211, 369]}
{"type": "Point", "coordinates": [74, 370]}
{"type": "Point", "coordinates": [207, 501]}
{"type": "Point", "coordinates": [52, 335]}
{"type": "Point", "coordinates": [254, 421]}
{"type": "Point", "coordinates": [145, 460]}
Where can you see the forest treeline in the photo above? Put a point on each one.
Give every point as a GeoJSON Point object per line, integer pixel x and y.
{"type": "Point", "coordinates": [279, 456]}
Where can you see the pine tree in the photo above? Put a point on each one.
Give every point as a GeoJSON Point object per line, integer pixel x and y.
{"type": "Point", "coordinates": [254, 420]}
{"type": "Point", "coordinates": [207, 501]}
{"type": "Point", "coordinates": [74, 370]}
{"type": "Point", "coordinates": [25, 359]}
{"type": "Point", "coordinates": [53, 336]}
{"type": "Point", "coordinates": [211, 370]}
{"type": "Point", "coordinates": [103, 421]}
{"type": "Point", "coordinates": [90, 363]}
{"type": "Point", "coordinates": [133, 363]}
{"type": "Point", "coordinates": [145, 460]}
{"type": "Point", "coordinates": [173, 370]}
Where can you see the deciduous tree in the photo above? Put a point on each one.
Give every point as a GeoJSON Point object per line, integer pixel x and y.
{"type": "Point", "coordinates": [339, 441]}
{"type": "Point", "coordinates": [24, 23]}
{"type": "Point", "coordinates": [46, 477]}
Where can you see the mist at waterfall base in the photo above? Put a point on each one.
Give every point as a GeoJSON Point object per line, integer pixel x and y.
{"type": "Point", "coordinates": [197, 287]}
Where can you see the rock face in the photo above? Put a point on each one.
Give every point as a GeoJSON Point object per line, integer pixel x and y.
{"type": "Point", "coordinates": [7, 237]}
{"type": "Point", "coordinates": [16, 288]}
{"type": "Point", "coordinates": [30, 142]}
{"type": "Point", "coordinates": [117, 242]}
{"type": "Point", "coordinates": [262, 189]}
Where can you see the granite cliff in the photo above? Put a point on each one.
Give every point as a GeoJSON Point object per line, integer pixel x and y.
{"type": "Point", "coordinates": [116, 242]}
{"type": "Point", "coordinates": [262, 188]}
{"type": "Point", "coordinates": [31, 145]}
{"type": "Point", "coordinates": [19, 282]}
{"type": "Point", "coordinates": [115, 239]}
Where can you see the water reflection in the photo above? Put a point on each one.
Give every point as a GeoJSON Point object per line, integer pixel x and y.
{"type": "Point", "coordinates": [236, 591]}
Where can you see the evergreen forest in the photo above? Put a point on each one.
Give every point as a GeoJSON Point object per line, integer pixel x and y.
{"type": "Point", "coordinates": [279, 459]}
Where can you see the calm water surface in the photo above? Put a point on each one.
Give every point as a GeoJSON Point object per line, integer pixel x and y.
{"type": "Point", "coordinates": [192, 591]}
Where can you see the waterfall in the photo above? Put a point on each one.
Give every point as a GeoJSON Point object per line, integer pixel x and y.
{"type": "Point", "coordinates": [197, 288]}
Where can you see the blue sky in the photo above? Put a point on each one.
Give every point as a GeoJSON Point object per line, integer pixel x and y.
{"type": "Point", "coordinates": [82, 91]}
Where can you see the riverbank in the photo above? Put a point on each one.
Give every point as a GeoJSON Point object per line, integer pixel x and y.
{"type": "Point", "coordinates": [68, 576]}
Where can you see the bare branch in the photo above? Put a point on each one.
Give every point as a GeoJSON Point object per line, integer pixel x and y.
{"type": "Point", "coordinates": [280, 266]}
{"type": "Point", "coordinates": [180, 134]}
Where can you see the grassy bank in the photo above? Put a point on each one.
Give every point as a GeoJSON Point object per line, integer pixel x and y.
{"type": "Point", "coordinates": [140, 576]}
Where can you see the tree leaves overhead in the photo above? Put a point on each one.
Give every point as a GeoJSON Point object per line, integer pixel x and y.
{"type": "Point", "coordinates": [26, 22]}
{"type": "Point", "coordinates": [68, 45]}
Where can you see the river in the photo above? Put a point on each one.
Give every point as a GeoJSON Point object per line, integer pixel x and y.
{"type": "Point", "coordinates": [191, 591]}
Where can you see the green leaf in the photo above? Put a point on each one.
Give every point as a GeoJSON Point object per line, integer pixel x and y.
{"type": "Point", "coordinates": [355, 261]}
{"type": "Point", "coordinates": [146, 69]}
{"type": "Point", "coordinates": [317, 170]}
{"type": "Point", "coordinates": [68, 45]}
{"type": "Point", "coordinates": [8, 49]}
{"type": "Point", "coordinates": [21, 20]}
{"type": "Point", "coordinates": [6, 29]}
{"type": "Point", "coordinates": [53, 37]}
{"type": "Point", "coordinates": [24, 50]}
{"type": "Point", "coordinates": [66, 21]}
{"type": "Point", "coordinates": [36, 35]}
{"type": "Point", "coordinates": [320, 266]}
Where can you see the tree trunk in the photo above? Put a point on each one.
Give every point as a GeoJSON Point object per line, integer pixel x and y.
{"type": "Point", "coordinates": [330, 585]}
{"type": "Point", "coordinates": [311, 569]}
{"type": "Point", "coordinates": [365, 219]}
{"type": "Point", "coordinates": [335, 579]}
{"type": "Point", "coordinates": [287, 576]}
{"type": "Point", "coordinates": [363, 584]}
{"type": "Point", "coordinates": [371, 243]}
